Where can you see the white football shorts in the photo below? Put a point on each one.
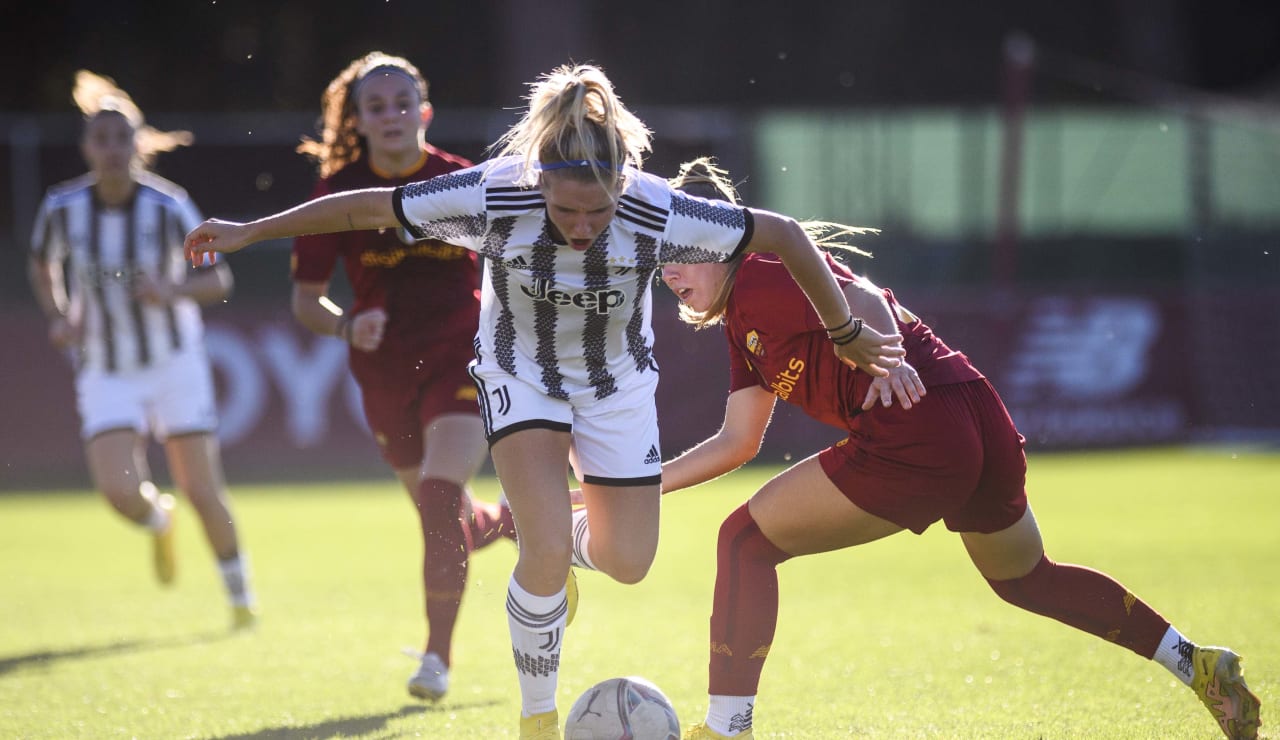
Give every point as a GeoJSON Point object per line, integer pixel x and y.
{"type": "Point", "coordinates": [171, 398]}
{"type": "Point", "coordinates": [615, 440]}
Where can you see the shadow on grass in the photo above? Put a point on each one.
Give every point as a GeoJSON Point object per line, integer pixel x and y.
{"type": "Point", "coordinates": [350, 726]}
{"type": "Point", "coordinates": [44, 657]}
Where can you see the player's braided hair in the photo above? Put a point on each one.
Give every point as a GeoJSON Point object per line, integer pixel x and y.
{"type": "Point", "coordinates": [340, 144]}
{"type": "Point", "coordinates": [577, 126]}
{"type": "Point", "coordinates": [97, 95]}
{"type": "Point", "coordinates": [704, 178]}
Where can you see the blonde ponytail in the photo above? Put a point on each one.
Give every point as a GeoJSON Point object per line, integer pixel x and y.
{"type": "Point", "coordinates": [576, 126]}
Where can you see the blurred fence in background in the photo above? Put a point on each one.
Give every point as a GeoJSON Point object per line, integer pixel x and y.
{"type": "Point", "coordinates": [1141, 305]}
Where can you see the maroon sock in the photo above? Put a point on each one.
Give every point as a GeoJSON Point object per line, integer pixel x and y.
{"type": "Point", "coordinates": [1087, 600]}
{"type": "Point", "coordinates": [489, 523]}
{"type": "Point", "coordinates": [447, 542]}
{"type": "Point", "coordinates": [744, 614]}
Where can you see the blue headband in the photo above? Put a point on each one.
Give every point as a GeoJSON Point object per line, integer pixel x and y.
{"type": "Point", "coordinates": [579, 163]}
{"type": "Point", "coordinates": [384, 69]}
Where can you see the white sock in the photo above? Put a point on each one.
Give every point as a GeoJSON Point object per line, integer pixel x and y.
{"type": "Point", "coordinates": [235, 576]}
{"type": "Point", "coordinates": [537, 630]}
{"type": "Point", "coordinates": [1174, 653]}
{"type": "Point", "coordinates": [729, 715]}
{"type": "Point", "coordinates": [581, 540]}
{"type": "Point", "coordinates": [158, 519]}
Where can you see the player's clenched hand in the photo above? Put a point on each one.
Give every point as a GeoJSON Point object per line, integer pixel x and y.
{"type": "Point", "coordinates": [153, 291]}
{"type": "Point", "coordinates": [65, 333]}
{"type": "Point", "coordinates": [215, 235]}
{"type": "Point", "coordinates": [873, 352]}
{"type": "Point", "coordinates": [902, 381]}
{"type": "Point", "coordinates": [367, 328]}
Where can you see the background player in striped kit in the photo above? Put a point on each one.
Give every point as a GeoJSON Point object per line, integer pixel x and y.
{"type": "Point", "coordinates": [107, 269]}
{"type": "Point", "coordinates": [410, 329]}
{"type": "Point", "coordinates": [573, 233]}
{"type": "Point", "coordinates": [954, 455]}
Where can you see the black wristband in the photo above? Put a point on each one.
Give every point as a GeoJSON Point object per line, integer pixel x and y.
{"type": "Point", "coordinates": [835, 329]}
{"type": "Point", "coordinates": [852, 335]}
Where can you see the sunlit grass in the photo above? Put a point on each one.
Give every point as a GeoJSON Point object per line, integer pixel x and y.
{"type": "Point", "coordinates": [900, 638]}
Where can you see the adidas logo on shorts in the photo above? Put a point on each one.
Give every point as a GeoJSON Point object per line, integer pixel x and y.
{"type": "Point", "coordinates": [653, 456]}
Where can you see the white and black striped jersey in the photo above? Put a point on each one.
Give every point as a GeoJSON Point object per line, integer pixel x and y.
{"type": "Point", "coordinates": [104, 250]}
{"type": "Point", "coordinates": [578, 324]}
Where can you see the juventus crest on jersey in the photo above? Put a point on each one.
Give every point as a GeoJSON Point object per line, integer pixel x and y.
{"type": "Point", "coordinates": [105, 250]}
{"type": "Point", "coordinates": [576, 323]}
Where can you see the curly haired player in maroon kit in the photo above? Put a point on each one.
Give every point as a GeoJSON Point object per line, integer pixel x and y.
{"type": "Point", "coordinates": [410, 329]}
{"type": "Point", "coordinates": [953, 455]}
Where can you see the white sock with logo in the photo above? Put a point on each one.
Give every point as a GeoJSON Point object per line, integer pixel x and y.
{"type": "Point", "coordinates": [537, 630]}
{"type": "Point", "coordinates": [729, 715]}
{"type": "Point", "coordinates": [1174, 653]}
{"type": "Point", "coordinates": [581, 556]}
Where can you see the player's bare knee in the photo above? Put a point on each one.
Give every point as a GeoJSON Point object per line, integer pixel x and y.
{"type": "Point", "coordinates": [630, 568]}
{"type": "Point", "coordinates": [547, 554]}
{"type": "Point", "coordinates": [125, 497]}
{"type": "Point", "coordinates": [128, 509]}
{"type": "Point", "coordinates": [1023, 591]}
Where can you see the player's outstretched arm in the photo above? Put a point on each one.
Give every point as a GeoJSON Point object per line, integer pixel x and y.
{"type": "Point", "coordinates": [354, 210]}
{"type": "Point", "coordinates": [746, 417]}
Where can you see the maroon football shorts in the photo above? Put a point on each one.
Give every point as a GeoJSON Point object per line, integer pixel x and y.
{"type": "Point", "coordinates": [399, 407]}
{"type": "Point", "coordinates": [955, 456]}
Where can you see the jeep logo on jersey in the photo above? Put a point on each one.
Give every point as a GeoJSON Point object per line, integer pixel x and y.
{"type": "Point", "coordinates": [600, 301]}
{"type": "Point", "coordinates": [100, 275]}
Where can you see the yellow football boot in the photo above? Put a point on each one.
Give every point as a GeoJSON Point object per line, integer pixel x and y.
{"type": "Point", "coordinates": [571, 597]}
{"type": "Point", "coordinates": [700, 731]}
{"type": "Point", "coordinates": [1219, 683]}
{"type": "Point", "coordinates": [545, 726]}
{"type": "Point", "coordinates": [163, 549]}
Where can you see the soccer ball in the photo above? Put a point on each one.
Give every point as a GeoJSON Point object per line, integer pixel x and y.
{"type": "Point", "coordinates": [628, 708]}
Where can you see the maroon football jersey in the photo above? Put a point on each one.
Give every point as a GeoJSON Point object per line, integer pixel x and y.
{"type": "Point", "coordinates": [777, 341]}
{"type": "Point", "coordinates": [429, 289]}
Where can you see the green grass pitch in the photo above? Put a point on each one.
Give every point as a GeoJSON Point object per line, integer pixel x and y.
{"type": "Point", "coordinates": [897, 639]}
